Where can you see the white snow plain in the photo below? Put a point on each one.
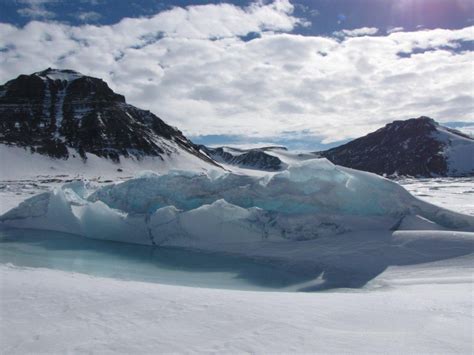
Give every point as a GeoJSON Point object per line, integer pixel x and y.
{"type": "Point", "coordinates": [427, 309]}
{"type": "Point", "coordinates": [456, 194]}
{"type": "Point", "coordinates": [396, 271]}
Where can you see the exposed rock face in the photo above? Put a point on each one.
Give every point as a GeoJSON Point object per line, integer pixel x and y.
{"type": "Point", "coordinates": [256, 158]}
{"type": "Point", "coordinates": [415, 147]}
{"type": "Point", "coordinates": [53, 110]}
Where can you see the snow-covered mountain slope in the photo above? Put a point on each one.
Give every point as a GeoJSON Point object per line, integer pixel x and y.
{"type": "Point", "coordinates": [255, 161]}
{"type": "Point", "coordinates": [458, 150]}
{"type": "Point", "coordinates": [62, 113]}
{"type": "Point", "coordinates": [416, 147]}
{"type": "Point", "coordinates": [20, 164]}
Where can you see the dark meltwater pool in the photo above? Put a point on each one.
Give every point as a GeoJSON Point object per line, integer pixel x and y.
{"type": "Point", "coordinates": [53, 250]}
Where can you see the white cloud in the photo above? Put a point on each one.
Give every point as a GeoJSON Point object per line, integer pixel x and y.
{"type": "Point", "coordinates": [363, 31]}
{"type": "Point", "coordinates": [469, 130]}
{"type": "Point", "coordinates": [88, 16]}
{"type": "Point", "coordinates": [394, 29]}
{"type": "Point", "coordinates": [307, 10]}
{"type": "Point", "coordinates": [93, 2]}
{"type": "Point", "coordinates": [35, 9]}
{"type": "Point", "coordinates": [191, 67]}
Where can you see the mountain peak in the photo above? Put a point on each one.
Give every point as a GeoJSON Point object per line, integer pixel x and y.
{"type": "Point", "coordinates": [422, 121]}
{"type": "Point", "coordinates": [255, 158]}
{"type": "Point", "coordinates": [416, 147]}
{"type": "Point", "coordinates": [60, 112]}
{"type": "Point", "coordinates": [59, 74]}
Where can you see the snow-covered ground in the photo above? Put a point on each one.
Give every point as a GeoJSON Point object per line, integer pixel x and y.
{"type": "Point", "coordinates": [411, 289]}
{"type": "Point", "coordinates": [427, 309]}
{"type": "Point", "coordinates": [19, 164]}
{"type": "Point", "coordinates": [456, 194]}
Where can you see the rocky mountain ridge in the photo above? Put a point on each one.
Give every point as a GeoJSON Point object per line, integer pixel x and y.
{"type": "Point", "coordinates": [62, 112]}
{"type": "Point", "coordinates": [418, 147]}
{"type": "Point", "coordinates": [254, 158]}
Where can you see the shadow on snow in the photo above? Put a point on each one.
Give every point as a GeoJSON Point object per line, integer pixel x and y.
{"type": "Point", "coordinates": [348, 260]}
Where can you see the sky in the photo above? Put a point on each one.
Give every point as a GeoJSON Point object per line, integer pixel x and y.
{"type": "Point", "coordinates": [308, 74]}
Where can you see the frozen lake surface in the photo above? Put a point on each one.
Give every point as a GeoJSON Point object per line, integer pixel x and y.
{"type": "Point", "coordinates": [174, 266]}
{"type": "Point", "coordinates": [65, 294]}
{"type": "Point", "coordinates": [456, 194]}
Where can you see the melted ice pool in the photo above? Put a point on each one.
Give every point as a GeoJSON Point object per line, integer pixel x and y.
{"type": "Point", "coordinates": [54, 250]}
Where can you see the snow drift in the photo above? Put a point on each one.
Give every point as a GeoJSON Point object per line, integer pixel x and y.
{"type": "Point", "coordinates": [308, 200]}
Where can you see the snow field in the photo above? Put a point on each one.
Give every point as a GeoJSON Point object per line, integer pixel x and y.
{"type": "Point", "coordinates": [52, 311]}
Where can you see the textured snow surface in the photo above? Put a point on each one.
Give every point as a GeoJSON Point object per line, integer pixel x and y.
{"type": "Point", "coordinates": [24, 165]}
{"type": "Point", "coordinates": [424, 309]}
{"type": "Point", "coordinates": [452, 193]}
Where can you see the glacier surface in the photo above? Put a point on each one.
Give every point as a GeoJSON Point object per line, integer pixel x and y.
{"type": "Point", "coordinates": [310, 199]}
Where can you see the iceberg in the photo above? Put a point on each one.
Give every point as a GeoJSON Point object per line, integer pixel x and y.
{"type": "Point", "coordinates": [310, 199]}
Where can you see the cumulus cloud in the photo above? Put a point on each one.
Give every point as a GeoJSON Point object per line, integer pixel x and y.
{"type": "Point", "coordinates": [196, 68]}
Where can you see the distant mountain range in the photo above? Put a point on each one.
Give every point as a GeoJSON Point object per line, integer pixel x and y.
{"type": "Point", "coordinates": [62, 112]}
{"type": "Point", "coordinates": [416, 147]}
{"type": "Point", "coordinates": [256, 158]}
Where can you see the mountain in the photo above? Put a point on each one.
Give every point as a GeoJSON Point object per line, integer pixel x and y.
{"type": "Point", "coordinates": [256, 158]}
{"type": "Point", "coordinates": [59, 113]}
{"type": "Point", "coordinates": [415, 147]}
